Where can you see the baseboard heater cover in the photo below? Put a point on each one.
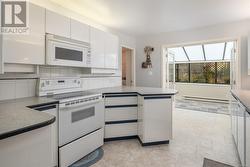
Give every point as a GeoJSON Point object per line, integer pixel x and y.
{"type": "Point", "coordinates": [206, 99]}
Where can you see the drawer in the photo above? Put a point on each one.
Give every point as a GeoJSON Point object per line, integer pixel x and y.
{"type": "Point", "coordinates": [121, 113]}
{"type": "Point", "coordinates": [120, 130]}
{"type": "Point", "coordinates": [74, 151]}
{"type": "Point", "coordinates": [114, 100]}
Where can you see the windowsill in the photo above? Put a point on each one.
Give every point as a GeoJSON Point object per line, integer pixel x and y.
{"type": "Point", "coordinates": [203, 84]}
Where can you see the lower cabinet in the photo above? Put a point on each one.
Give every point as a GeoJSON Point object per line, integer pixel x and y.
{"type": "Point", "coordinates": [240, 124]}
{"type": "Point", "coordinates": [155, 119]}
{"type": "Point", "coordinates": [241, 133]}
{"type": "Point", "coordinates": [247, 138]}
{"type": "Point", "coordinates": [30, 149]}
{"type": "Point", "coordinates": [234, 119]}
{"type": "Point", "coordinates": [120, 116]}
{"type": "Point", "coordinates": [120, 130]}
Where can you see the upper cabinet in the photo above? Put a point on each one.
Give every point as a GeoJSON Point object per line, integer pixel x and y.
{"type": "Point", "coordinates": [64, 26]}
{"type": "Point", "coordinates": [97, 38]}
{"type": "Point", "coordinates": [80, 31]}
{"type": "Point", "coordinates": [57, 24]}
{"type": "Point", "coordinates": [111, 51]}
{"type": "Point", "coordinates": [104, 49]}
{"type": "Point", "coordinates": [30, 48]}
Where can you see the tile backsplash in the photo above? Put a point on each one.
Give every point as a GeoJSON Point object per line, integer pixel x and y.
{"type": "Point", "coordinates": [19, 88]}
{"type": "Point", "coordinates": [12, 89]}
{"type": "Point", "coordinates": [19, 85]}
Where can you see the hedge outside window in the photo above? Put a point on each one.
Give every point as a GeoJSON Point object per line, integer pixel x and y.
{"type": "Point", "coordinates": [206, 72]}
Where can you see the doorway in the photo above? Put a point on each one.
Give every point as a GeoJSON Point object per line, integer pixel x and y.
{"type": "Point", "coordinates": [128, 66]}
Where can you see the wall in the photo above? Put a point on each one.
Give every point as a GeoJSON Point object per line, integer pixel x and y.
{"type": "Point", "coordinates": [223, 31]}
{"type": "Point", "coordinates": [204, 90]}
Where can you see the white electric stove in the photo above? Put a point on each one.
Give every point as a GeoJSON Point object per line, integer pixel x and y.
{"type": "Point", "coordinates": [80, 117]}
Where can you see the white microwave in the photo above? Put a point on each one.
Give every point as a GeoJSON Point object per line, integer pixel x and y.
{"type": "Point", "coordinates": [67, 52]}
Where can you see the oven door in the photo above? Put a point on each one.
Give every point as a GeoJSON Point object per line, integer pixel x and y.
{"type": "Point", "coordinates": [75, 122]}
{"type": "Point", "coordinates": [66, 54]}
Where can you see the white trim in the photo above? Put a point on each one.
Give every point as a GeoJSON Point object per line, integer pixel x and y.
{"type": "Point", "coordinates": [203, 61]}
{"type": "Point", "coordinates": [133, 61]}
{"type": "Point", "coordinates": [202, 84]}
{"type": "Point", "coordinates": [238, 53]}
{"type": "Point", "coordinates": [201, 42]}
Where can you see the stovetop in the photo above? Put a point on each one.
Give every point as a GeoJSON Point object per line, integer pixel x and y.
{"type": "Point", "coordinates": [64, 96]}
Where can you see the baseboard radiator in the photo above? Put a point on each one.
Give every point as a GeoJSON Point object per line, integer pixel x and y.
{"type": "Point", "coordinates": [206, 99]}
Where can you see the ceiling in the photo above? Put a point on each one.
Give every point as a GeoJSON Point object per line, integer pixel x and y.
{"type": "Point", "coordinates": [139, 17]}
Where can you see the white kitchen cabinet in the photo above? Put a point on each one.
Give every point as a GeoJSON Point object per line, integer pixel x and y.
{"type": "Point", "coordinates": [57, 24]}
{"type": "Point", "coordinates": [120, 99]}
{"type": "Point", "coordinates": [241, 133]}
{"type": "Point", "coordinates": [104, 49]}
{"type": "Point", "coordinates": [247, 138]}
{"type": "Point", "coordinates": [30, 149]}
{"type": "Point", "coordinates": [30, 48]}
{"type": "Point", "coordinates": [120, 115]}
{"type": "Point", "coordinates": [234, 118]}
{"type": "Point", "coordinates": [53, 110]}
{"type": "Point", "coordinates": [155, 119]}
{"type": "Point", "coordinates": [80, 31]}
{"type": "Point", "coordinates": [111, 51]}
{"type": "Point", "coordinates": [120, 130]}
{"type": "Point", "coordinates": [97, 38]}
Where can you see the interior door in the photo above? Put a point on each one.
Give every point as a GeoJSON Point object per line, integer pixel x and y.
{"type": "Point", "coordinates": [170, 74]}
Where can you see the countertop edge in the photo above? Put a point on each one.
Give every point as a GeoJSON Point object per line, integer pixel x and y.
{"type": "Point", "coordinates": [27, 129]}
{"type": "Point", "coordinates": [237, 98]}
{"type": "Point", "coordinates": [141, 94]}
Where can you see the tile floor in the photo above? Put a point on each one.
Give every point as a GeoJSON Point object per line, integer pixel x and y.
{"type": "Point", "coordinates": [196, 135]}
{"type": "Point", "coordinates": [213, 107]}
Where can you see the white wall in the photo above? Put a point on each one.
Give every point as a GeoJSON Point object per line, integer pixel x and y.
{"type": "Point", "coordinates": [223, 31]}
{"type": "Point", "coordinates": [204, 90]}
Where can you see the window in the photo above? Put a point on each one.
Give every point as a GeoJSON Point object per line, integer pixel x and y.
{"type": "Point", "coordinates": [182, 72]}
{"type": "Point", "coordinates": [203, 52]}
{"type": "Point", "coordinates": [195, 52]}
{"type": "Point", "coordinates": [206, 72]}
{"type": "Point", "coordinates": [223, 73]}
{"type": "Point", "coordinates": [202, 63]}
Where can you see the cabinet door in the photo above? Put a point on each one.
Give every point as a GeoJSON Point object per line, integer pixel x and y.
{"type": "Point", "coordinates": [57, 24]}
{"type": "Point", "coordinates": [157, 119]}
{"type": "Point", "coordinates": [111, 51]}
{"type": "Point", "coordinates": [241, 133]}
{"type": "Point", "coordinates": [79, 31]}
{"type": "Point", "coordinates": [97, 48]}
{"type": "Point", "coordinates": [247, 138]}
{"type": "Point", "coordinates": [27, 49]}
{"type": "Point", "coordinates": [233, 110]}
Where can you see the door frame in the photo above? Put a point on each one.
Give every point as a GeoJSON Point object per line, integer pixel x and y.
{"type": "Point", "coordinates": [133, 65]}
{"type": "Point", "coordinates": [238, 54]}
